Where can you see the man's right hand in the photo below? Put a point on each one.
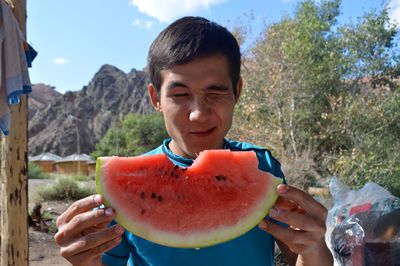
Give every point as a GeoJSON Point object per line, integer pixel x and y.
{"type": "Point", "coordinates": [83, 234]}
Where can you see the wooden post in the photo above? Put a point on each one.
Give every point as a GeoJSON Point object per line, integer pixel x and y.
{"type": "Point", "coordinates": [14, 211]}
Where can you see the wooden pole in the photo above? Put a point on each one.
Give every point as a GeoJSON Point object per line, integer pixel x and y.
{"type": "Point", "coordinates": [14, 211]}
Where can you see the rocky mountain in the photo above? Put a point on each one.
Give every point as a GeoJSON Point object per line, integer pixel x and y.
{"type": "Point", "coordinates": [76, 121]}
{"type": "Point", "coordinates": [41, 96]}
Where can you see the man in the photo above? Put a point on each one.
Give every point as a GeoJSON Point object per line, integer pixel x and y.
{"type": "Point", "coordinates": [194, 67]}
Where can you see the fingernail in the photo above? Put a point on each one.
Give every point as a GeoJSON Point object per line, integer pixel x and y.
{"type": "Point", "coordinates": [97, 199]}
{"type": "Point", "coordinates": [117, 240]}
{"type": "Point", "coordinates": [118, 229]}
{"type": "Point", "coordinates": [262, 224]}
{"type": "Point", "coordinates": [109, 212]}
{"type": "Point", "coordinates": [274, 212]}
{"type": "Point", "coordinates": [282, 189]}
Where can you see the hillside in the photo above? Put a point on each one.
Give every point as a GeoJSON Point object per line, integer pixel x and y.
{"type": "Point", "coordinates": [86, 115]}
{"type": "Point", "coordinates": [41, 96]}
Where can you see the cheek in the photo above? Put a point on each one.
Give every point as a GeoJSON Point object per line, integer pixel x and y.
{"type": "Point", "coordinates": [174, 116]}
{"type": "Point", "coordinates": [225, 112]}
{"type": "Point", "coordinates": [168, 107]}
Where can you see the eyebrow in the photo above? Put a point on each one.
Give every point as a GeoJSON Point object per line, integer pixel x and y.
{"type": "Point", "coordinates": [218, 87]}
{"type": "Point", "coordinates": [213, 87]}
{"type": "Point", "coordinates": [175, 84]}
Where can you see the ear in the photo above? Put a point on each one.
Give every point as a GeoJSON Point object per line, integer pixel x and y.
{"type": "Point", "coordinates": [239, 86]}
{"type": "Point", "coordinates": [154, 97]}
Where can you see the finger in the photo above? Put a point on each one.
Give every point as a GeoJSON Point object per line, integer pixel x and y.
{"type": "Point", "coordinates": [287, 235]}
{"type": "Point", "coordinates": [298, 220]}
{"type": "Point", "coordinates": [286, 204]}
{"type": "Point", "coordinates": [92, 241]}
{"type": "Point", "coordinates": [95, 252]}
{"type": "Point", "coordinates": [96, 228]}
{"type": "Point", "coordinates": [304, 200]}
{"type": "Point", "coordinates": [296, 249]}
{"type": "Point", "coordinates": [80, 206]}
{"type": "Point", "coordinates": [82, 222]}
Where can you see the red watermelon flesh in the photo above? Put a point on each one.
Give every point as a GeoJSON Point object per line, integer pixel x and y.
{"type": "Point", "coordinates": [221, 196]}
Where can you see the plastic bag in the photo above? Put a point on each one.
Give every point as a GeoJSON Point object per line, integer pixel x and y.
{"type": "Point", "coordinates": [363, 226]}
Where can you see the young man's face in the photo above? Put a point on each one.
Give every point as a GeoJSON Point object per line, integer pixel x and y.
{"type": "Point", "coordinates": [197, 102]}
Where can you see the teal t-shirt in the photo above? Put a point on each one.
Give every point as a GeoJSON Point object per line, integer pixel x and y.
{"type": "Point", "coordinates": [254, 248]}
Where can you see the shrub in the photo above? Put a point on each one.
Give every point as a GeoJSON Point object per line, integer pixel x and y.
{"type": "Point", "coordinates": [34, 172]}
{"type": "Point", "coordinates": [65, 188]}
{"type": "Point", "coordinates": [82, 177]}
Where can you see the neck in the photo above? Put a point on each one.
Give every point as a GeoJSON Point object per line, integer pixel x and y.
{"type": "Point", "coordinates": [186, 154]}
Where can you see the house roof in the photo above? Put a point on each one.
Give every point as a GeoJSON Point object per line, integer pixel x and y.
{"type": "Point", "coordinates": [46, 156]}
{"type": "Point", "coordinates": [76, 157]}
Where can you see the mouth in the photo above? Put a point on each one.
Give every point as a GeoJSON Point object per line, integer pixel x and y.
{"type": "Point", "coordinates": [203, 133]}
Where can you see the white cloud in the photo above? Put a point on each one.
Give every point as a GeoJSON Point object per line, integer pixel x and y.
{"type": "Point", "coordinates": [149, 24]}
{"type": "Point", "coordinates": [60, 61]}
{"type": "Point", "coordinates": [395, 10]}
{"type": "Point", "coordinates": [143, 24]}
{"type": "Point", "coordinates": [136, 22]}
{"type": "Point", "coordinates": [167, 10]}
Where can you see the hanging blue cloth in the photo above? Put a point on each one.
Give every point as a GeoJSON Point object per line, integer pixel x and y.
{"type": "Point", "coordinates": [15, 57]}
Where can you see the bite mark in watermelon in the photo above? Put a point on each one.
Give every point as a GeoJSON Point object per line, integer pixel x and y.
{"type": "Point", "coordinates": [221, 196]}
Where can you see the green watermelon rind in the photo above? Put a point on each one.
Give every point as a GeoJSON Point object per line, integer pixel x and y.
{"type": "Point", "coordinates": [200, 240]}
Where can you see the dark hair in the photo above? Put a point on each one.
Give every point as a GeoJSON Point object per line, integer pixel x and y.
{"type": "Point", "coordinates": [189, 38]}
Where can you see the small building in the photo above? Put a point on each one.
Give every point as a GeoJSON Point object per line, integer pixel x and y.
{"type": "Point", "coordinates": [91, 168]}
{"type": "Point", "coordinates": [45, 161]}
{"type": "Point", "coordinates": [74, 164]}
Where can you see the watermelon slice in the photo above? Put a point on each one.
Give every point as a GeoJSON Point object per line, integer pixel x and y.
{"type": "Point", "coordinates": [221, 196]}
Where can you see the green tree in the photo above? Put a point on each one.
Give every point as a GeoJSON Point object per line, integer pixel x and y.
{"type": "Point", "coordinates": [370, 49]}
{"type": "Point", "coordinates": [373, 127]}
{"type": "Point", "coordinates": [366, 118]}
{"type": "Point", "coordinates": [290, 77]}
{"type": "Point", "coordinates": [311, 88]}
{"type": "Point", "coordinates": [136, 134]}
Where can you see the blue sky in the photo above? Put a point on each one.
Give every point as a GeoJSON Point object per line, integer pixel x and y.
{"type": "Point", "coordinates": [74, 38]}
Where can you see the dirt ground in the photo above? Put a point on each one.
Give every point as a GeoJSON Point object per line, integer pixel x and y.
{"type": "Point", "coordinates": [42, 248]}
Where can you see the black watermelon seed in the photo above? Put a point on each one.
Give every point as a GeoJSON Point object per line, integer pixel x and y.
{"type": "Point", "coordinates": [153, 195]}
{"type": "Point", "coordinates": [172, 173]}
{"type": "Point", "coordinates": [176, 167]}
{"type": "Point", "coordinates": [143, 211]}
{"type": "Point", "coordinates": [220, 177]}
{"type": "Point", "coordinates": [159, 198]}
{"type": "Point", "coordinates": [142, 195]}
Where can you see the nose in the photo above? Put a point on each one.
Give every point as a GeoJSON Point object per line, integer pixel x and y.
{"type": "Point", "coordinates": [200, 111]}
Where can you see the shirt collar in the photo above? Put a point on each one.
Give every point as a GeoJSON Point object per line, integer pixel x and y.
{"type": "Point", "coordinates": [179, 160]}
